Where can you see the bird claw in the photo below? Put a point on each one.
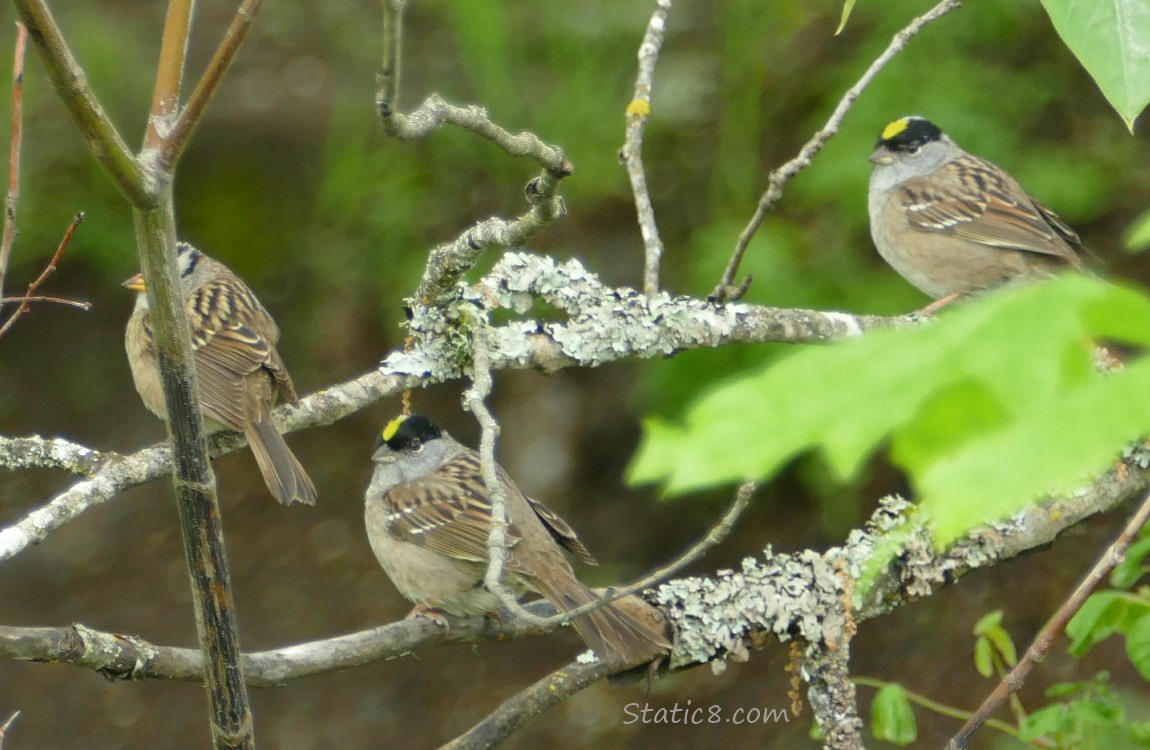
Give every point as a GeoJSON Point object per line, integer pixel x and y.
{"type": "Point", "coordinates": [423, 609]}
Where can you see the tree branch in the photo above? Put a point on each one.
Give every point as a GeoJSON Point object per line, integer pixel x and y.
{"type": "Point", "coordinates": [13, 195]}
{"type": "Point", "coordinates": [1054, 627]}
{"type": "Point", "coordinates": [181, 131]}
{"type": "Point", "coordinates": [130, 657]}
{"type": "Point", "coordinates": [831, 694]}
{"type": "Point", "coordinates": [169, 72]}
{"type": "Point", "coordinates": [516, 710]}
{"type": "Point", "coordinates": [632, 152]}
{"type": "Point", "coordinates": [718, 617]}
{"type": "Point", "coordinates": [389, 77]}
{"type": "Point", "coordinates": [604, 325]}
{"type": "Point", "coordinates": [53, 263]}
{"type": "Point", "coordinates": [779, 178]}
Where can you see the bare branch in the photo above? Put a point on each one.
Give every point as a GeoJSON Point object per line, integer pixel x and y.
{"type": "Point", "coordinates": [513, 712]}
{"type": "Point", "coordinates": [130, 657]}
{"type": "Point", "coordinates": [93, 122]}
{"type": "Point", "coordinates": [201, 527]}
{"type": "Point", "coordinates": [389, 77]}
{"type": "Point", "coordinates": [1054, 627]}
{"type": "Point", "coordinates": [53, 453]}
{"type": "Point", "coordinates": [779, 178]}
{"type": "Point", "coordinates": [111, 473]}
{"type": "Point", "coordinates": [448, 262]}
{"type": "Point", "coordinates": [49, 269]}
{"type": "Point", "coordinates": [435, 111]}
{"type": "Point", "coordinates": [605, 325]}
{"type": "Point", "coordinates": [831, 694]}
{"type": "Point", "coordinates": [41, 298]}
{"type": "Point", "coordinates": [190, 116]}
{"type": "Point", "coordinates": [13, 196]}
{"type": "Point", "coordinates": [497, 535]}
{"type": "Point", "coordinates": [632, 152]}
{"type": "Point", "coordinates": [7, 725]}
{"type": "Point", "coordinates": [169, 72]}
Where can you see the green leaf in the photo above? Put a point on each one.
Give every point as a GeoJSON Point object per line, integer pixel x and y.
{"type": "Point", "coordinates": [1140, 732]}
{"type": "Point", "coordinates": [1005, 645]}
{"type": "Point", "coordinates": [988, 621]}
{"type": "Point", "coordinates": [1108, 414]}
{"type": "Point", "coordinates": [1104, 614]}
{"type": "Point", "coordinates": [976, 406]}
{"type": "Point", "coordinates": [892, 717]}
{"type": "Point", "coordinates": [1049, 720]}
{"type": "Point", "coordinates": [1111, 38]}
{"type": "Point", "coordinates": [1131, 570]}
{"type": "Point", "coordinates": [1138, 644]}
{"type": "Point", "coordinates": [848, 6]}
{"type": "Point", "coordinates": [983, 657]}
{"type": "Point", "coordinates": [1137, 236]}
{"type": "Point", "coordinates": [1059, 689]}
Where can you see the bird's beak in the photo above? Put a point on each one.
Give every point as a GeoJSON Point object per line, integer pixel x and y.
{"type": "Point", "coordinates": [384, 455]}
{"type": "Point", "coordinates": [136, 283]}
{"type": "Point", "coordinates": [881, 158]}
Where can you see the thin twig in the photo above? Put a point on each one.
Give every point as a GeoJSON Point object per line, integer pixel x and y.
{"type": "Point", "coordinates": [13, 195]}
{"type": "Point", "coordinates": [71, 84]}
{"type": "Point", "coordinates": [726, 290]}
{"type": "Point", "coordinates": [209, 82]}
{"type": "Point", "coordinates": [42, 298]}
{"type": "Point", "coordinates": [448, 262]}
{"type": "Point", "coordinates": [49, 269]}
{"type": "Point", "coordinates": [6, 725]}
{"type": "Point", "coordinates": [632, 153]}
{"type": "Point", "coordinates": [513, 712]}
{"type": "Point", "coordinates": [1110, 559]}
{"type": "Point", "coordinates": [389, 77]}
{"type": "Point", "coordinates": [497, 535]}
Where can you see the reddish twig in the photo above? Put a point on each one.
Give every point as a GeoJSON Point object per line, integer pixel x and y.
{"type": "Point", "coordinates": [1110, 559]}
{"type": "Point", "coordinates": [6, 725]}
{"type": "Point", "coordinates": [14, 153]}
{"type": "Point", "coordinates": [42, 298]}
{"type": "Point", "coordinates": [169, 73]}
{"type": "Point", "coordinates": [209, 82]}
{"type": "Point", "coordinates": [29, 296]}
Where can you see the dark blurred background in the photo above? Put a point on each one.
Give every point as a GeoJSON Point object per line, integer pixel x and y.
{"type": "Point", "coordinates": [290, 181]}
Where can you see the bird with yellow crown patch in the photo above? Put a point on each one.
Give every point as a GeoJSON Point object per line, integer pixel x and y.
{"type": "Point", "coordinates": [952, 223]}
{"type": "Point", "coordinates": [428, 517]}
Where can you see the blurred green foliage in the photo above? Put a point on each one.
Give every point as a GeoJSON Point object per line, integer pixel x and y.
{"type": "Point", "coordinates": [995, 405]}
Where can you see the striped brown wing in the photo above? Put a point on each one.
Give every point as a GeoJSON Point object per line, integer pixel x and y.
{"type": "Point", "coordinates": [972, 199]}
{"type": "Point", "coordinates": [448, 510]}
{"type": "Point", "coordinates": [233, 337]}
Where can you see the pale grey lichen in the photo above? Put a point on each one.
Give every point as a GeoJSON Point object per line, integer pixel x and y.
{"type": "Point", "coordinates": [789, 596]}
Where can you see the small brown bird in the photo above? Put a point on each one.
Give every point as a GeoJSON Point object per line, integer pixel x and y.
{"type": "Point", "coordinates": [952, 223]}
{"type": "Point", "coordinates": [428, 517]}
{"type": "Point", "coordinates": [238, 369]}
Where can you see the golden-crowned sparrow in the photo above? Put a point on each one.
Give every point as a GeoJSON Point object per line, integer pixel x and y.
{"type": "Point", "coordinates": [951, 223]}
{"type": "Point", "coordinates": [428, 517]}
{"type": "Point", "coordinates": [238, 369]}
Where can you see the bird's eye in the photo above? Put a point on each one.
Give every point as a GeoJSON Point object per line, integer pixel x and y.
{"type": "Point", "coordinates": [913, 150]}
{"type": "Point", "coordinates": [416, 446]}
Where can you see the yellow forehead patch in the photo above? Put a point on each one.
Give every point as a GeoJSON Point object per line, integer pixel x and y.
{"type": "Point", "coordinates": [894, 128]}
{"type": "Point", "coordinates": [393, 427]}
